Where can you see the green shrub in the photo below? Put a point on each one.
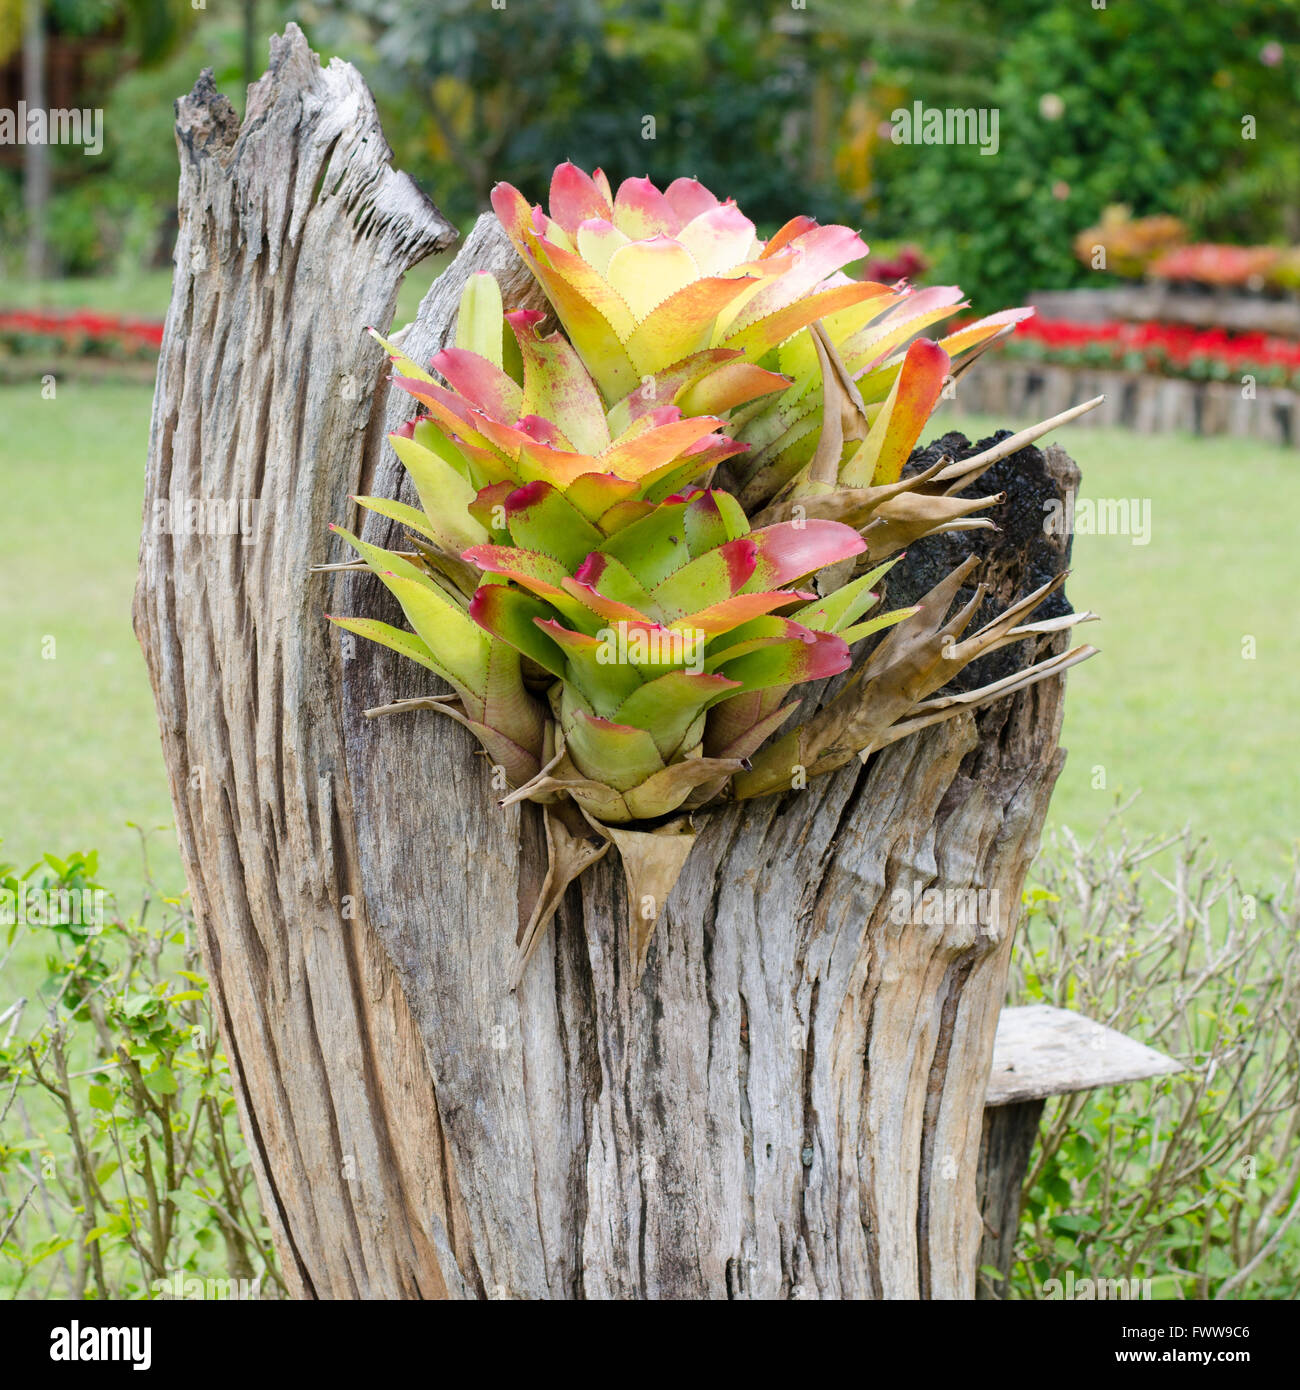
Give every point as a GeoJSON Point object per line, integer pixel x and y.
{"type": "Point", "coordinates": [1191, 1180]}
{"type": "Point", "coordinates": [122, 1170]}
{"type": "Point", "coordinates": [1135, 104]}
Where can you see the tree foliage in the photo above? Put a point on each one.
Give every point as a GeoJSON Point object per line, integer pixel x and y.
{"type": "Point", "coordinates": [1141, 105]}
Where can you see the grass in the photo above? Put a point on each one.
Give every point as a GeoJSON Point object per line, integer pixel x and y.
{"type": "Point", "coordinates": [1170, 708]}
{"type": "Point", "coordinates": [141, 294]}
{"type": "Point", "coordinates": [81, 752]}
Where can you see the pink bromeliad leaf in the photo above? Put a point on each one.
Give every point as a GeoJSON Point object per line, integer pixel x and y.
{"type": "Point", "coordinates": [480, 382]}
{"type": "Point", "coordinates": [811, 658]}
{"type": "Point", "coordinates": [791, 549]}
{"type": "Point", "coordinates": [538, 573]}
{"type": "Point", "coordinates": [610, 610]}
{"type": "Point", "coordinates": [707, 580]}
{"type": "Point", "coordinates": [649, 450]}
{"type": "Point", "coordinates": [789, 233]}
{"type": "Point", "coordinates": [819, 252]}
{"type": "Point", "coordinates": [540, 517]}
{"type": "Point", "coordinates": [718, 239]}
{"type": "Point", "coordinates": [689, 198]}
{"type": "Point", "coordinates": [557, 386]}
{"type": "Point", "coordinates": [873, 343]}
{"type": "Point", "coordinates": [575, 197]}
{"type": "Point", "coordinates": [642, 211]}
{"type": "Point", "coordinates": [597, 240]}
{"type": "Point", "coordinates": [898, 426]}
{"type": "Point", "coordinates": [741, 608]}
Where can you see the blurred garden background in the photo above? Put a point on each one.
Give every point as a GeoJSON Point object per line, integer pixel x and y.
{"type": "Point", "coordinates": [1144, 195]}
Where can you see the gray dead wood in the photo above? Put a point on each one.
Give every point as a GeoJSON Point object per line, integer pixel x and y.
{"type": "Point", "coordinates": [789, 1105]}
{"type": "Point", "coordinates": [1043, 1051]}
{"type": "Point", "coordinates": [1010, 1132]}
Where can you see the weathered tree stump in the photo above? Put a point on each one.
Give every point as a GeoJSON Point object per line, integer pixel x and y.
{"type": "Point", "coordinates": [789, 1104]}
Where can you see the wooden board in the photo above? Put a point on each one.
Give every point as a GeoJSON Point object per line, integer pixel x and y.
{"type": "Point", "coordinates": [1043, 1051]}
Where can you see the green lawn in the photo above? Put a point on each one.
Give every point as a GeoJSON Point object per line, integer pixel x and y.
{"type": "Point", "coordinates": [80, 752]}
{"type": "Point", "coordinates": [1170, 707]}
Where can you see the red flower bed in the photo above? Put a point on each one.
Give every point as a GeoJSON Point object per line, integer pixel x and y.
{"type": "Point", "coordinates": [37, 333]}
{"type": "Point", "coordinates": [1162, 349]}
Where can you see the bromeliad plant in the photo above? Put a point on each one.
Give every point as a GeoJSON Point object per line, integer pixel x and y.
{"type": "Point", "coordinates": [637, 535]}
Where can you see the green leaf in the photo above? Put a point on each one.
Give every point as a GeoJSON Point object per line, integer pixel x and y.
{"type": "Point", "coordinates": [444, 493]}
{"type": "Point", "coordinates": [592, 670]}
{"type": "Point", "coordinates": [396, 638]}
{"type": "Point", "coordinates": [101, 1097]}
{"type": "Point", "coordinates": [410, 517]}
{"type": "Point", "coordinates": [616, 754]}
{"type": "Point", "coordinates": [713, 520]}
{"type": "Point", "coordinates": [481, 322]}
{"type": "Point", "coordinates": [508, 614]}
{"type": "Point", "coordinates": [653, 547]}
{"type": "Point", "coordinates": [846, 605]}
{"type": "Point", "coordinates": [667, 707]}
{"type": "Point", "coordinates": [882, 620]}
{"type": "Point", "coordinates": [45, 1249]}
{"type": "Point", "coordinates": [547, 521]}
{"type": "Point", "coordinates": [453, 637]}
{"type": "Point", "coordinates": [714, 576]}
{"type": "Point", "coordinates": [403, 364]}
{"type": "Point", "coordinates": [162, 1082]}
{"type": "Point", "coordinates": [618, 583]}
{"type": "Point", "coordinates": [429, 434]}
{"type": "Point", "coordinates": [1074, 1223]}
{"type": "Point", "coordinates": [383, 561]}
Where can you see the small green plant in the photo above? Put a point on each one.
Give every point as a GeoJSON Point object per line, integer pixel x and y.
{"type": "Point", "coordinates": [122, 1172]}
